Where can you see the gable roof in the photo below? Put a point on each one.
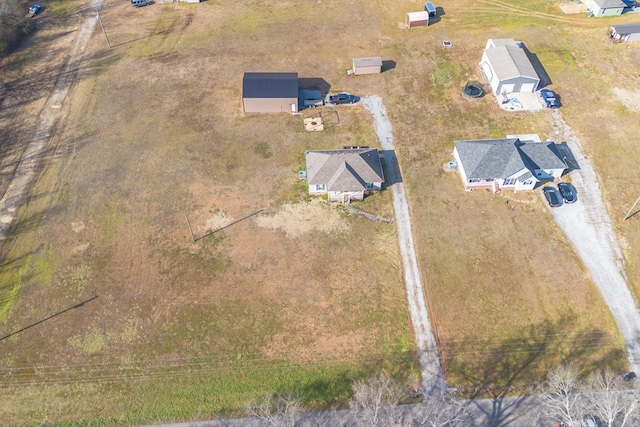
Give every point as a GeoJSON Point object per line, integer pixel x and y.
{"type": "Point", "coordinates": [509, 60]}
{"type": "Point", "coordinates": [502, 158]}
{"type": "Point", "coordinates": [372, 61]}
{"type": "Point", "coordinates": [626, 29]}
{"type": "Point", "coordinates": [344, 170]}
{"type": "Point", "coordinates": [270, 85]}
{"type": "Point", "coordinates": [604, 4]}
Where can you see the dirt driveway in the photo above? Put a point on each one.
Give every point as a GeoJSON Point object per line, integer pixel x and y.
{"type": "Point", "coordinates": [587, 225]}
{"type": "Point", "coordinates": [30, 163]}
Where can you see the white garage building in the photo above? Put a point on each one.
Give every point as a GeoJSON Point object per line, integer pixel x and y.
{"type": "Point", "coordinates": [508, 68]}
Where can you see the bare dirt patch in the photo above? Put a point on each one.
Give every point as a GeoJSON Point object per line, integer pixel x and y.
{"type": "Point", "coordinates": [302, 218]}
{"type": "Point", "coordinates": [628, 98]}
{"type": "Point", "coordinates": [572, 7]}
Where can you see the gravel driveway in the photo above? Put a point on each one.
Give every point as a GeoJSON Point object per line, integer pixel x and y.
{"type": "Point", "coordinates": [429, 362]}
{"type": "Point", "coordinates": [587, 225]}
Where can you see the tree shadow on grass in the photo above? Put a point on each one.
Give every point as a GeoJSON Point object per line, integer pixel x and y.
{"type": "Point", "coordinates": [490, 371]}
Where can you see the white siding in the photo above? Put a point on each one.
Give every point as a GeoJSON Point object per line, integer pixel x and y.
{"type": "Point", "coordinates": [507, 88]}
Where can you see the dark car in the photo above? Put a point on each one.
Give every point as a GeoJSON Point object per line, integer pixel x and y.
{"type": "Point", "coordinates": [549, 98]}
{"type": "Point", "coordinates": [568, 192]}
{"type": "Point", "coordinates": [343, 98]}
{"type": "Point", "coordinates": [553, 197]}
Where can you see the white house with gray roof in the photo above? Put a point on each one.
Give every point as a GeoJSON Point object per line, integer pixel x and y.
{"type": "Point", "coordinates": [507, 164]}
{"type": "Point", "coordinates": [507, 67]}
{"type": "Point", "coordinates": [625, 33]}
{"type": "Point", "coordinates": [343, 175]}
{"type": "Point", "coordinates": [599, 8]}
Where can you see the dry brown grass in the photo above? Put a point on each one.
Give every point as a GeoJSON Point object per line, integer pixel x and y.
{"type": "Point", "coordinates": [155, 128]}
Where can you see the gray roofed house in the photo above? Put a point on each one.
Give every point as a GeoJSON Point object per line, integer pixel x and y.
{"type": "Point", "coordinates": [507, 163]}
{"type": "Point", "coordinates": [346, 174]}
{"type": "Point", "coordinates": [625, 33]}
{"type": "Point", "coordinates": [270, 92]}
{"type": "Point", "coordinates": [605, 7]}
{"type": "Point", "coordinates": [507, 67]}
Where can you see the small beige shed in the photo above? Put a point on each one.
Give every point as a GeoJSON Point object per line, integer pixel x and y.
{"type": "Point", "coordinates": [417, 19]}
{"type": "Point", "coordinates": [369, 65]}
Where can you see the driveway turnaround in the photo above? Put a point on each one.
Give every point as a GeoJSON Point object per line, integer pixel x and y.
{"type": "Point", "coordinates": [587, 225]}
{"type": "Point", "coordinates": [429, 362]}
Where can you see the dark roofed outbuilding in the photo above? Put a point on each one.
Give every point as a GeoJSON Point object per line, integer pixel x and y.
{"type": "Point", "coordinates": [270, 92]}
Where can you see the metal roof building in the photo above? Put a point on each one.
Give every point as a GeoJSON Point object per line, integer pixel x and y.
{"type": "Point", "coordinates": [270, 92]}
{"type": "Point", "coordinates": [625, 33]}
{"type": "Point", "coordinates": [508, 68]}
{"type": "Point", "coordinates": [369, 65]}
{"type": "Point", "coordinates": [605, 7]}
{"type": "Point", "coordinates": [417, 19]}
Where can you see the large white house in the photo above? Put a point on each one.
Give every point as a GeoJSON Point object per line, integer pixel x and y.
{"type": "Point", "coordinates": [509, 163]}
{"type": "Point", "coordinates": [344, 175]}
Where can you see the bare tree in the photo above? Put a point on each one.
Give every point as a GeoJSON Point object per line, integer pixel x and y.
{"type": "Point", "coordinates": [606, 397]}
{"type": "Point", "coordinates": [439, 409]}
{"type": "Point", "coordinates": [276, 411]}
{"type": "Point", "coordinates": [373, 401]}
{"type": "Point", "coordinates": [561, 398]}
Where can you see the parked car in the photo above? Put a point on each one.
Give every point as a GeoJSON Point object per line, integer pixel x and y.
{"type": "Point", "coordinates": [629, 376]}
{"type": "Point", "coordinates": [550, 99]}
{"type": "Point", "coordinates": [568, 192]}
{"type": "Point", "coordinates": [33, 11]}
{"type": "Point", "coordinates": [343, 98]}
{"type": "Point", "coordinates": [553, 197]}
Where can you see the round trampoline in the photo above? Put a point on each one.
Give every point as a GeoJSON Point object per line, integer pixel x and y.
{"type": "Point", "coordinates": [473, 90]}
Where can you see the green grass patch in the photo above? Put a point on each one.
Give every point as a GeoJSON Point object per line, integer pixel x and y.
{"type": "Point", "coordinates": [195, 392]}
{"type": "Point", "coordinates": [17, 271]}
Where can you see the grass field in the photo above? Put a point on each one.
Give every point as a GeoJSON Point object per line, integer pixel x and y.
{"type": "Point", "coordinates": [296, 295]}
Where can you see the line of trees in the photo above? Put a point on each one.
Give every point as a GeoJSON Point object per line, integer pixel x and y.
{"type": "Point", "coordinates": [601, 399]}
{"type": "Point", "coordinates": [14, 25]}
{"type": "Point", "coordinates": [566, 399]}
{"type": "Point", "coordinates": [374, 403]}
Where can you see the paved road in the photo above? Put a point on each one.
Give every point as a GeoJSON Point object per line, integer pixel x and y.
{"type": "Point", "coordinates": [425, 340]}
{"type": "Point", "coordinates": [509, 412]}
{"type": "Point", "coordinates": [587, 225]}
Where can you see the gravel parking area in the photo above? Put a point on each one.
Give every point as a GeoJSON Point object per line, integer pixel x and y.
{"type": "Point", "coordinates": [587, 225]}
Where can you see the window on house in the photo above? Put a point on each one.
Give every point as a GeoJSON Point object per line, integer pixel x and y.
{"type": "Point", "coordinates": [320, 187]}
{"type": "Point", "coordinates": [370, 186]}
{"type": "Point", "coordinates": [509, 181]}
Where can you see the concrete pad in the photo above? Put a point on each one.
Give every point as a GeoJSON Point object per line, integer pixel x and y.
{"type": "Point", "coordinates": [522, 101]}
{"type": "Point", "coordinates": [526, 137]}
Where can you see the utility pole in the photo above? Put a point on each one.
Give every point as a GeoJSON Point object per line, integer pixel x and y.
{"type": "Point", "coordinates": [103, 30]}
{"type": "Point", "coordinates": [634, 205]}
